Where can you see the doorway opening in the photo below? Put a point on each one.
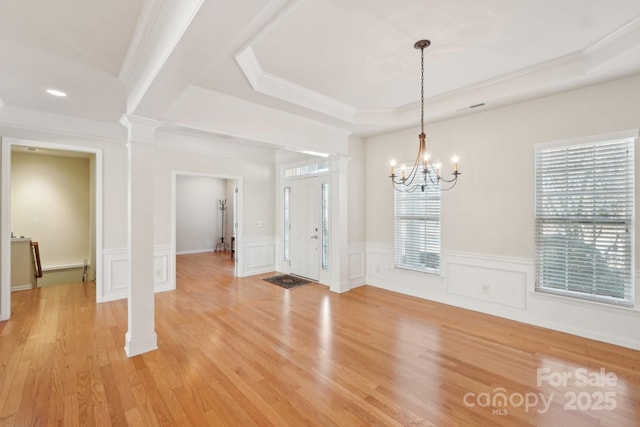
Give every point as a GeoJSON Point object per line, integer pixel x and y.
{"type": "Point", "coordinates": [53, 196]}
{"type": "Point", "coordinates": [306, 215]}
{"type": "Point", "coordinates": [304, 228]}
{"type": "Point", "coordinates": [205, 209]}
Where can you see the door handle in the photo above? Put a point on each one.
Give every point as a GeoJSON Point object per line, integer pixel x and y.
{"type": "Point", "coordinates": [314, 237]}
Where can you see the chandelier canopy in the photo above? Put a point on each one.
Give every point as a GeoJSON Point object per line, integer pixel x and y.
{"type": "Point", "coordinates": [423, 173]}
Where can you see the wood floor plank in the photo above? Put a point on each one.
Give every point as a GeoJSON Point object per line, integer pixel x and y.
{"type": "Point", "coordinates": [241, 351]}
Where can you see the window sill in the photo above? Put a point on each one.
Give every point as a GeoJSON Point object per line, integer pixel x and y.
{"type": "Point", "coordinates": [431, 274]}
{"type": "Point", "coordinates": [632, 311]}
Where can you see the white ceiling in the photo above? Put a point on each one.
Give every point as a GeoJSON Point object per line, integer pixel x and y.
{"type": "Point", "coordinates": [346, 63]}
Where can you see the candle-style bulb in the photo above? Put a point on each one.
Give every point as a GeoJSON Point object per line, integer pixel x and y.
{"type": "Point", "coordinates": [455, 160]}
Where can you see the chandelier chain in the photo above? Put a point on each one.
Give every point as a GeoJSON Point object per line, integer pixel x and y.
{"type": "Point", "coordinates": [422, 90]}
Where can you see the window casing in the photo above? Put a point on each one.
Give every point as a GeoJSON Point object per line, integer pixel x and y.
{"type": "Point", "coordinates": [286, 225]}
{"type": "Point", "coordinates": [584, 221]}
{"type": "Point", "coordinates": [417, 229]}
{"type": "Point", "coordinates": [325, 226]}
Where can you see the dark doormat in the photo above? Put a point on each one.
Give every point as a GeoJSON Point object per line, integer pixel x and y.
{"type": "Point", "coordinates": [287, 281]}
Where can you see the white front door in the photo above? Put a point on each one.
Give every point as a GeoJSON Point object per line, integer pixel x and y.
{"type": "Point", "coordinates": [304, 232]}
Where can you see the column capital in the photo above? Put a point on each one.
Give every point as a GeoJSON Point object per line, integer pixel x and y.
{"type": "Point", "coordinates": [140, 129]}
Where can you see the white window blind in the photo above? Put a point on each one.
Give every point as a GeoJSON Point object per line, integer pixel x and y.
{"type": "Point", "coordinates": [417, 230]}
{"type": "Point", "coordinates": [584, 218]}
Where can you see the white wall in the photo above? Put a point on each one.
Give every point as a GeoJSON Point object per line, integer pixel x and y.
{"type": "Point", "coordinates": [488, 219]}
{"type": "Point", "coordinates": [198, 223]}
{"type": "Point", "coordinates": [185, 154]}
{"type": "Point", "coordinates": [253, 167]}
{"type": "Point", "coordinates": [51, 203]}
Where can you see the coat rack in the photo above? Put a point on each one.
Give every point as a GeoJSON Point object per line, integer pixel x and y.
{"type": "Point", "coordinates": [222, 245]}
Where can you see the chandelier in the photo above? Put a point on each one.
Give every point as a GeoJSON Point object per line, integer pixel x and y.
{"type": "Point", "coordinates": [423, 173]}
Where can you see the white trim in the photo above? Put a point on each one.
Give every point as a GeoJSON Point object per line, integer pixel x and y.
{"type": "Point", "coordinates": [257, 255]}
{"type": "Point", "coordinates": [57, 126]}
{"type": "Point", "coordinates": [357, 265]}
{"type": "Point", "coordinates": [144, 24]}
{"type": "Point", "coordinates": [197, 251]}
{"type": "Point", "coordinates": [116, 275]}
{"type": "Point", "coordinates": [164, 277]}
{"type": "Point", "coordinates": [140, 345]}
{"type": "Point", "coordinates": [5, 236]}
{"type": "Point", "coordinates": [589, 139]}
{"type": "Point", "coordinates": [5, 213]}
{"type": "Point", "coordinates": [21, 287]}
{"type": "Point", "coordinates": [63, 267]}
{"type": "Point", "coordinates": [238, 212]}
{"type": "Point", "coordinates": [277, 87]}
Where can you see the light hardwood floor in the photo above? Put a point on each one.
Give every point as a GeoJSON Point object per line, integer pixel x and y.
{"type": "Point", "coordinates": [246, 352]}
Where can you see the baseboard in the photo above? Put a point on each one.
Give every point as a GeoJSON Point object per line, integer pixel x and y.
{"type": "Point", "coordinates": [196, 251]}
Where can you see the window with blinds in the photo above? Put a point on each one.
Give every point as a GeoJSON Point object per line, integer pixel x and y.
{"type": "Point", "coordinates": [417, 230]}
{"type": "Point", "coordinates": [584, 218]}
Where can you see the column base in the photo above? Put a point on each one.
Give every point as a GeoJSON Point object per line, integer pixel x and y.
{"type": "Point", "coordinates": [139, 345]}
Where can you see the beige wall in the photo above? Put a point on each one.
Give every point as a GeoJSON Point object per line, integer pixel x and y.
{"type": "Point", "coordinates": [491, 211]}
{"type": "Point", "coordinates": [51, 203]}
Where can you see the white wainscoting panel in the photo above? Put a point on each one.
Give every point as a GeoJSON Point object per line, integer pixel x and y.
{"type": "Point", "coordinates": [258, 256]}
{"type": "Point", "coordinates": [115, 275]}
{"type": "Point", "coordinates": [491, 282]}
{"type": "Point", "coordinates": [163, 274]}
{"type": "Point", "coordinates": [115, 272]}
{"type": "Point", "coordinates": [379, 264]}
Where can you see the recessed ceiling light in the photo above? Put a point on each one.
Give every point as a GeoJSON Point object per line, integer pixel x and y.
{"type": "Point", "coordinates": [56, 92]}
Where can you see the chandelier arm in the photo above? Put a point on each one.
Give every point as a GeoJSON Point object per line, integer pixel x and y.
{"type": "Point", "coordinates": [432, 171]}
{"type": "Point", "coordinates": [437, 181]}
{"type": "Point", "coordinates": [454, 182]}
{"type": "Point", "coordinates": [454, 179]}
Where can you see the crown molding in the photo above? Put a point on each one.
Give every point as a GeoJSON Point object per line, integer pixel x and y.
{"type": "Point", "coordinates": [580, 68]}
{"type": "Point", "coordinates": [286, 90]}
{"type": "Point", "coordinates": [41, 122]}
{"type": "Point", "coordinates": [161, 26]}
{"type": "Point", "coordinates": [148, 15]}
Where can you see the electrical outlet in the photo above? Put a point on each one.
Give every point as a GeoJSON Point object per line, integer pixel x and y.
{"type": "Point", "coordinates": [486, 289]}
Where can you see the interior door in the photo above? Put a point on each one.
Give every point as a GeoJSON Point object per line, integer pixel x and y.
{"type": "Point", "coordinates": [304, 233]}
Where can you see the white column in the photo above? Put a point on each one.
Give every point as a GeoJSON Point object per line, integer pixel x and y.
{"type": "Point", "coordinates": [5, 230]}
{"type": "Point", "coordinates": [339, 224]}
{"type": "Point", "coordinates": [141, 335]}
